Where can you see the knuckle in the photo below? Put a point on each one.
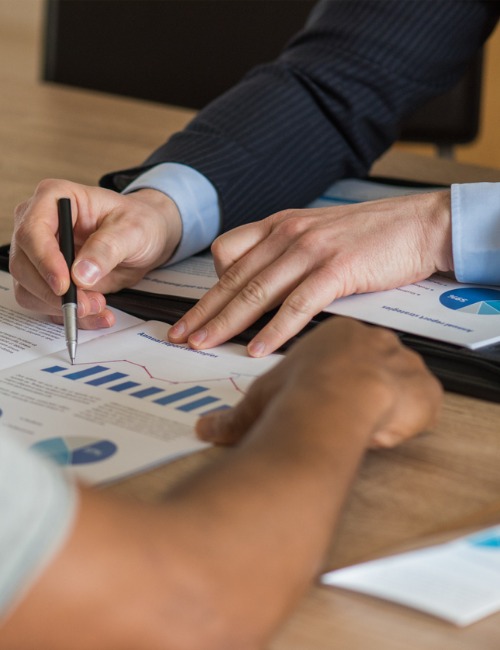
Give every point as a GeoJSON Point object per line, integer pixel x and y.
{"type": "Point", "coordinates": [254, 293]}
{"type": "Point", "coordinates": [20, 209]}
{"type": "Point", "coordinates": [299, 305]}
{"type": "Point", "coordinates": [47, 185]}
{"type": "Point", "coordinates": [232, 280]}
{"type": "Point", "coordinates": [290, 225]}
{"type": "Point", "coordinates": [199, 313]}
{"type": "Point", "coordinates": [218, 248]}
{"type": "Point", "coordinates": [108, 245]}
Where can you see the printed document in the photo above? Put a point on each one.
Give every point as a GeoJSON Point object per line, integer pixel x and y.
{"type": "Point", "coordinates": [437, 308]}
{"type": "Point", "coordinates": [129, 402]}
{"type": "Point", "coordinates": [458, 581]}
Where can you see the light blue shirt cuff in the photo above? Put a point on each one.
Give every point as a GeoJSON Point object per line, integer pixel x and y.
{"type": "Point", "coordinates": [196, 199]}
{"type": "Point", "coordinates": [475, 212]}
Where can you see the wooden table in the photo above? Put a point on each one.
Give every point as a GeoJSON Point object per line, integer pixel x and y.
{"type": "Point", "coordinates": [435, 485]}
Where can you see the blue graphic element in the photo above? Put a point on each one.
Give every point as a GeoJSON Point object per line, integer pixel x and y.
{"type": "Point", "coordinates": [191, 406]}
{"type": "Point", "coordinates": [489, 539]}
{"type": "Point", "coordinates": [106, 379]}
{"type": "Point", "coordinates": [485, 302]}
{"type": "Point", "coordinates": [56, 449]}
{"type": "Point", "coordinates": [81, 374]}
{"type": "Point", "coordinates": [94, 452]}
{"type": "Point", "coordinates": [76, 450]}
{"type": "Point", "coordinates": [174, 397]}
{"type": "Point", "coordinates": [54, 369]}
{"type": "Point", "coordinates": [146, 392]}
{"type": "Point", "coordinates": [125, 386]}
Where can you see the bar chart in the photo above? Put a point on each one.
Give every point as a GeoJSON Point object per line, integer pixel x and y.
{"type": "Point", "coordinates": [198, 398]}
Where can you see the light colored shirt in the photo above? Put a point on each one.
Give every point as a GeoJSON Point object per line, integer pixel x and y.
{"type": "Point", "coordinates": [37, 507]}
{"type": "Point", "coordinates": [475, 219]}
{"type": "Point", "coordinates": [475, 209]}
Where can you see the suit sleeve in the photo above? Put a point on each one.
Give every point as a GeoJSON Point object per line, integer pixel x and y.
{"type": "Point", "coordinates": [329, 106]}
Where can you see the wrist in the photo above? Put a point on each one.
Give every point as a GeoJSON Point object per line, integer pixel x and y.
{"type": "Point", "coordinates": [320, 419]}
{"type": "Point", "coordinates": [169, 216]}
{"type": "Point", "coordinates": [438, 237]}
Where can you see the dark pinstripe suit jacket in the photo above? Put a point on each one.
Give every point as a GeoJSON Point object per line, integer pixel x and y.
{"type": "Point", "coordinates": [330, 105]}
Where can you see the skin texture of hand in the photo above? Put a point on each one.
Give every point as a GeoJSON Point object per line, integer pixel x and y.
{"type": "Point", "coordinates": [342, 360]}
{"type": "Point", "coordinates": [305, 259]}
{"type": "Point", "coordinates": [182, 575]}
{"type": "Point", "coordinates": [118, 238]}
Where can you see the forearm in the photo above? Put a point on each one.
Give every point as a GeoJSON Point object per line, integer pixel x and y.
{"type": "Point", "coordinates": [263, 517]}
{"type": "Point", "coordinates": [330, 105]}
{"type": "Point", "coordinates": [218, 565]}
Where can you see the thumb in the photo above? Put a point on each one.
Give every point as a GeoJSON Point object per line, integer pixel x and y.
{"type": "Point", "coordinates": [232, 245]}
{"type": "Point", "coordinates": [103, 251]}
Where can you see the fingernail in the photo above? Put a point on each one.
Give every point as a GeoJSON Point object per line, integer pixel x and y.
{"type": "Point", "coordinates": [80, 311]}
{"type": "Point", "coordinates": [86, 272]}
{"type": "Point", "coordinates": [54, 284]}
{"type": "Point", "coordinates": [256, 348]}
{"type": "Point", "coordinates": [102, 322]}
{"type": "Point", "coordinates": [198, 337]}
{"type": "Point", "coordinates": [95, 306]}
{"type": "Point", "coordinates": [178, 329]}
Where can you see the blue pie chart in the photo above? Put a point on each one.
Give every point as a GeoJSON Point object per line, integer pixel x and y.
{"type": "Point", "coordinates": [480, 301]}
{"type": "Point", "coordinates": [75, 450]}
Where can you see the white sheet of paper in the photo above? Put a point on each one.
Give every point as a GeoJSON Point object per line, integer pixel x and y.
{"type": "Point", "coordinates": [190, 278]}
{"type": "Point", "coordinates": [25, 335]}
{"type": "Point", "coordinates": [458, 581]}
{"type": "Point", "coordinates": [128, 403]}
{"type": "Point", "coordinates": [437, 308]}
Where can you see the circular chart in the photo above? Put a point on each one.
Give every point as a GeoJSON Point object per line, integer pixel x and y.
{"type": "Point", "coordinates": [480, 301]}
{"type": "Point", "coordinates": [489, 538]}
{"type": "Point", "coordinates": [75, 450]}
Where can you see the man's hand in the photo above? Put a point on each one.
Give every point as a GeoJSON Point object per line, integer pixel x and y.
{"type": "Point", "coordinates": [305, 259]}
{"type": "Point", "coordinates": [118, 238]}
{"type": "Point", "coordinates": [343, 371]}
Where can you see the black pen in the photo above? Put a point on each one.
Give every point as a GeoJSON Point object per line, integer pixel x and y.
{"type": "Point", "coordinates": [69, 302]}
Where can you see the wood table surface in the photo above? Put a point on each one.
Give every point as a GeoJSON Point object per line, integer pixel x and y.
{"type": "Point", "coordinates": [434, 486]}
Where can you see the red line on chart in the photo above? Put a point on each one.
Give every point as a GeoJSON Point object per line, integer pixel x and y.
{"type": "Point", "coordinates": [233, 380]}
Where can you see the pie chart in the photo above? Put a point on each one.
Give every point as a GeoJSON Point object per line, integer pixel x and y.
{"type": "Point", "coordinates": [75, 450]}
{"type": "Point", "coordinates": [480, 301]}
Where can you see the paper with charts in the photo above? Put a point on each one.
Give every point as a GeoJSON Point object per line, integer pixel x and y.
{"type": "Point", "coordinates": [129, 402]}
{"type": "Point", "coordinates": [437, 308]}
{"type": "Point", "coordinates": [458, 581]}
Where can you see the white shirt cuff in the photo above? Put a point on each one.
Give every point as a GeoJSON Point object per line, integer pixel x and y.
{"type": "Point", "coordinates": [475, 211]}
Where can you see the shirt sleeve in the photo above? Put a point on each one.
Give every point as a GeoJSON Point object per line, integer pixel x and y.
{"type": "Point", "coordinates": [196, 200]}
{"type": "Point", "coordinates": [329, 106]}
{"type": "Point", "coordinates": [37, 507]}
{"type": "Point", "coordinates": [475, 209]}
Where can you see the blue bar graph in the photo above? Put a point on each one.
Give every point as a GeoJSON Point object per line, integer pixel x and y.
{"type": "Point", "coordinates": [146, 392]}
{"type": "Point", "coordinates": [191, 406]}
{"type": "Point", "coordinates": [123, 386]}
{"type": "Point", "coordinates": [143, 391]}
{"type": "Point", "coordinates": [87, 372]}
{"type": "Point", "coordinates": [174, 397]}
{"type": "Point", "coordinates": [106, 379]}
{"type": "Point", "coordinates": [53, 369]}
